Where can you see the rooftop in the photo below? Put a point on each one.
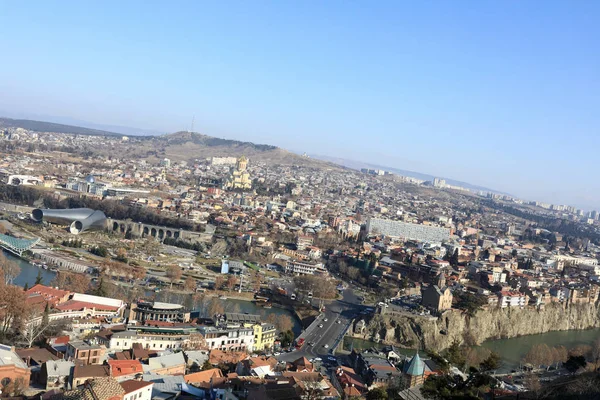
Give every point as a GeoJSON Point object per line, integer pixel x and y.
{"type": "Point", "coordinates": [9, 357]}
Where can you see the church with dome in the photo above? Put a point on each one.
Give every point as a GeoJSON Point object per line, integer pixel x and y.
{"type": "Point", "coordinates": [239, 177]}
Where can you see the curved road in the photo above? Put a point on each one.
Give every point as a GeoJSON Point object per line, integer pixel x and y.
{"type": "Point", "coordinates": [343, 310]}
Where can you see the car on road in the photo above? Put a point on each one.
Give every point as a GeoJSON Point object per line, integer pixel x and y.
{"type": "Point", "coordinates": [311, 343]}
{"type": "Point", "coordinates": [338, 322]}
{"type": "Point", "coordinates": [317, 359]}
{"type": "Point", "coordinates": [277, 354]}
{"type": "Point", "coordinates": [326, 345]}
{"type": "Point", "coordinates": [331, 358]}
{"type": "Point", "coordinates": [325, 320]}
{"type": "Point", "coordinates": [320, 325]}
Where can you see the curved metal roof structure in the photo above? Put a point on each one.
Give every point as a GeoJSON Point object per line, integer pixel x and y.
{"type": "Point", "coordinates": [78, 219]}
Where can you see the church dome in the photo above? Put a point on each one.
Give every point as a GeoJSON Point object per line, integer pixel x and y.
{"type": "Point", "coordinates": [90, 179]}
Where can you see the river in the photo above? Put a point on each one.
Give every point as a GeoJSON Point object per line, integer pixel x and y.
{"type": "Point", "coordinates": [29, 274]}
{"type": "Point", "coordinates": [511, 350]}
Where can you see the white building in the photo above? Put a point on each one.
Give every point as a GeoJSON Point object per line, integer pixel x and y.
{"type": "Point", "coordinates": [137, 390]}
{"type": "Point", "coordinates": [229, 161]}
{"type": "Point", "coordinates": [304, 268]}
{"type": "Point", "coordinates": [512, 299]}
{"type": "Point", "coordinates": [238, 339]}
{"type": "Point", "coordinates": [405, 230]}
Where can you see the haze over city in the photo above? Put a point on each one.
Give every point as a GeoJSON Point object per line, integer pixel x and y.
{"type": "Point", "coordinates": [502, 95]}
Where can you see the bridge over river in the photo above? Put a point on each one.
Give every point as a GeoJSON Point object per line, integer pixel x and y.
{"type": "Point", "coordinates": [17, 246]}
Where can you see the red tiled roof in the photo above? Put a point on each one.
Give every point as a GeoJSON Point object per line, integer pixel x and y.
{"type": "Point", "coordinates": [203, 376]}
{"type": "Point", "coordinates": [59, 340]}
{"type": "Point", "coordinates": [124, 367]}
{"type": "Point", "coordinates": [76, 305]}
{"type": "Point", "coordinates": [47, 291]}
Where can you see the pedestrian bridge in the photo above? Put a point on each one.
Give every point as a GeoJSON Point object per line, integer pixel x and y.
{"type": "Point", "coordinates": [16, 245]}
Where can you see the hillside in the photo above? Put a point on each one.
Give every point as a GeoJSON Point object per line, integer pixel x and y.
{"type": "Point", "coordinates": [178, 146]}
{"type": "Point", "coordinates": [41, 126]}
{"type": "Point", "coordinates": [182, 146]}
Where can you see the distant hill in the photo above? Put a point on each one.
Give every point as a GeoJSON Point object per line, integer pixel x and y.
{"type": "Point", "coordinates": [182, 146]}
{"type": "Point", "coordinates": [417, 175]}
{"type": "Point", "coordinates": [40, 126]}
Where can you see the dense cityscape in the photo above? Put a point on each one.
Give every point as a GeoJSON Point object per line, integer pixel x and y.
{"type": "Point", "coordinates": [133, 268]}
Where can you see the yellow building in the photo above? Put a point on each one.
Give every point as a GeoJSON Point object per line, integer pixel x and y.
{"type": "Point", "coordinates": [264, 336]}
{"type": "Point", "coordinates": [239, 177]}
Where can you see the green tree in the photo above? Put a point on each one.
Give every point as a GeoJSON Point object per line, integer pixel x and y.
{"type": "Point", "coordinates": [101, 289]}
{"type": "Point", "coordinates": [490, 363]}
{"type": "Point", "coordinates": [26, 287]}
{"type": "Point", "coordinates": [38, 278]}
{"type": "Point", "coordinates": [378, 393]}
{"type": "Point", "coordinates": [286, 338]}
{"type": "Point", "coordinates": [207, 365]}
{"type": "Point", "coordinates": [454, 258]}
{"type": "Point", "coordinates": [456, 355]}
{"type": "Point", "coordinates": [46, 316]}
{"type": "Point", "coordinates": [574, 363]}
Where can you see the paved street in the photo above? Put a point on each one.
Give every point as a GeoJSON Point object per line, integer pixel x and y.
{"type": "Point", "coordinates": [342, 310]}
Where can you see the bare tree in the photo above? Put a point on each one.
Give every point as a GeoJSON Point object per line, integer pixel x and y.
{"type": "Point", "coordinates": [219, 280]}
{"type": "Point", "coordinates": [353, 273]}
{"type": "Point", "coordinates": [37, 323]}
{"type": "Point", "coordinates": [532, 383]}
{"type": "Point", "coordinates": [231, 281]}
{"type": "Point", "coordinates": [12, 308]}
{"type": "Point", "coordinates": [561, 355]}
{"type": "Point", "coordinates": [283, 323]}
{"type": "Point", "coordinates": [195, 341]}
{"type": "Point", "coordinates": [216, 307]}
{"type": "Point", "coordinates": [10, 269]}
{"type": "Point", "coordinates": [173, 273]}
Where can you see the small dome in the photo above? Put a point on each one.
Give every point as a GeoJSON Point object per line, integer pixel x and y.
{"type": "Point", "coordinates": [90, 179]}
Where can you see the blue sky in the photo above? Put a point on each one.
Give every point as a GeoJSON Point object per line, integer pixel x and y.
{"type": "Point", "coordinates": [501, 94]}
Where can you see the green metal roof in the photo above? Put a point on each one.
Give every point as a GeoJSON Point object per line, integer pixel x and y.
{"type": "Point", "coordinates": [416, 366]}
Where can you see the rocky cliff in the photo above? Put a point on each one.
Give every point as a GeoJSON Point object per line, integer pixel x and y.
{"type": "Point", "coordinates": [438, 333]}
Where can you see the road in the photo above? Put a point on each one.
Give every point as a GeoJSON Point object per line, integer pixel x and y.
{"type": "Point", "coordinates": [342, 310]}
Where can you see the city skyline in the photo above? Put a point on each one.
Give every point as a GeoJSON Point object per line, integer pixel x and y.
{"type": "Point", "coordinates": [500, 96]}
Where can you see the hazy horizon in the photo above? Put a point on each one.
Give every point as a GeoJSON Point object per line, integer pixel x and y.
{"type": "Point", "coordinates": [499, 95]}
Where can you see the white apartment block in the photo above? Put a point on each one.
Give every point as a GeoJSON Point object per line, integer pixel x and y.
{"type": "Point", "coordinates": [304, 268]}
{"type": "Point", "coordinates": [405, 230]}
{"type": "Point", "coordinates": [223, 161]}
{"type": "Point", "coordinates": [120, 341]}
{"type": "Point", "coordinates": [575, 260]}
{"type": "Point", "coordinates": [239, 339]}
{"type": "Point", "coordinates": [512, 299]}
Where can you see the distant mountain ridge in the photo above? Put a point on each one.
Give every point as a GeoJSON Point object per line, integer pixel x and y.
{"type": "Point", "coordinates": [41, 126]}
{"type": "Point", "coordinates": [188, 145]}
{"type": "Point", "coordinates": [412, 174]}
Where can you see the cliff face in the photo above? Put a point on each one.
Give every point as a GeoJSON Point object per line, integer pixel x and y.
{"type": "Point", "coordinates": [439, 333]}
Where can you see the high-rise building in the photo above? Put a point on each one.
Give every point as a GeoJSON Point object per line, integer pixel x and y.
{"type": "Point", "coordinates": [405, 230]}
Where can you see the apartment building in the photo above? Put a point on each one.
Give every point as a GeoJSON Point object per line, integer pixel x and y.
{"type": "Point", "coordinates": [236, 339]}
{"type": "Point", "coordinates": [304, 268]}
{"type": "Point", "coordinates": [85, 352]}
{"type": "Point", "coordinates": [405, 230]}
{"type": "Point", "coordinates": [512, 299]}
